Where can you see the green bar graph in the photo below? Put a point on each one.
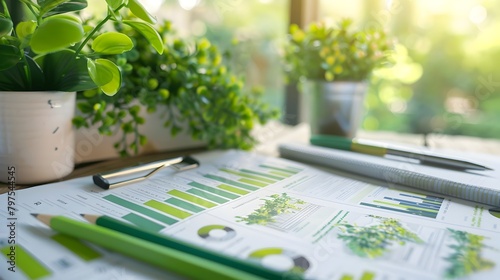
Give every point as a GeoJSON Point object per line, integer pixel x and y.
{"type": "Point", "coordinates": [365, 276]}
{"type": "Point", "coordinates": [232, 189]}
{"type": "Point", "coordinates": [263, 174]}
{"type": "Point", "coordinates": [295, 169]}
{"type": "Point", "coordinates": [76, 246]}
{"type": "Point", "coordinates": [27, 263]}
{"type": "Point", "coordinates": [192, 198]}
{"type": "Point", "coordinates": [368, 276]}
{"type": "Point", "coordinates": [178, 213]}
{"type": "Point", "coordinates": [251, 176]}
{"type": "Point", "coordinates": [231, 182]}
{"type": "Point", "coordinates": [184, 205]}
{"type": "Point", "coordinates": [142, 222]}
{"type": "Point", "coordinates": [213, 190]}
{"type": "Point", "coordinates": [406, 206]}
{"type": "Point", "coordinates": [290, 171]}
{"type": "Point", "coordinates": [143, 210]}
{"type": "Point", "coordinates": [253, 182]}
{"type": "Point", "coordinates": [279, 173]}
{"type": "Point", "coordinates": [214, 198]}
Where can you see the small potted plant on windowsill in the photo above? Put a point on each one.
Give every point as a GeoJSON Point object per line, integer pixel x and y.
{"type": "Point", "coordinates": [332, 66]}
{"type": "Point", "coordinates": [45, 61]}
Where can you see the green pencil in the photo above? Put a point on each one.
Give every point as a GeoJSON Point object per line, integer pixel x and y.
{"type": "Point", "coordinates": [169, 259]}
{"type": "Point", "coordinates": [176, 244]}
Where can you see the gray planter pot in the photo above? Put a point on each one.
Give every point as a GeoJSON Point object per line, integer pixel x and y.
{"type": "Point", "coordinates": [334, 108]}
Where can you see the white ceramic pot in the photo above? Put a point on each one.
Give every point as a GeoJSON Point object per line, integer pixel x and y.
{"type": "Point", "coordinates": [36, 135]}
{"type": "Point", "coordinates": [90, 145]}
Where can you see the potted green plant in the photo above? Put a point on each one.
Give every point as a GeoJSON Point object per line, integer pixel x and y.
{"type": "Point", "coordinates": [332, 64]}
{"type": "Point", "coordinates": [44, 62]}
{"type": "Point", "coordinates": [188, 87]}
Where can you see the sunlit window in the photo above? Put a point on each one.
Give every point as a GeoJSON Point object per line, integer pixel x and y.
{"type": "Point", "coordinates": [445, 79]}
{"type": "Point", "coordinates": [249, 31]}
{"type": "Point", "coordinates": [445, 73]}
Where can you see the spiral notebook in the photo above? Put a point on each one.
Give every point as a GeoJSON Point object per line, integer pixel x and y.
{"type": "Point", "coordinates": [477, 186]}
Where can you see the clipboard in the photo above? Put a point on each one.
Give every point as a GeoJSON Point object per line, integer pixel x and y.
{"type": "Point", "coordinates": [104, 180]}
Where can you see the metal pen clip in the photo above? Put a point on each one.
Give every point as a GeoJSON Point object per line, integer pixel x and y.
{"type": "Point", "coordinates": [179, 164]}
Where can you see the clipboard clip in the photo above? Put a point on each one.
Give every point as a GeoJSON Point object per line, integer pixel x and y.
{"type": "Point", "coordinates": [179, 164]}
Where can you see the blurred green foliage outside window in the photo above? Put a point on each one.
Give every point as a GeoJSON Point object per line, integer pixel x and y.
{"type": "Point", "coordinates": [251, 32]}
{"type": "Point", "coordinates": [446, 76]}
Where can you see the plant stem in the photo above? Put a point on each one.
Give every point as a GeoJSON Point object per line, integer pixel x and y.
{"type": "Point", "coordinates": [27, 70]}
{"type": "Point", "coordinates": [29, 3]}
{"type": "Point", "coordinates": [5, 9]}
{"type": "Point", "coordinates": [26, 66]}
{"type": "Point", "coordinates": [98, 26]}
{"type": "Point", "coordinates": [80, 47]}
{"type": "Point", "coordinates": [30, 6]}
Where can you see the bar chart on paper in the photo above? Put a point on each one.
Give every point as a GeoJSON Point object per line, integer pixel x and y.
{"type": "Point", "coordinates": [227, 184]}
{"type": "Point", "coordinates": [140, 209]}
{"type": "Point", "coordinates": [365, 276]}
{"type": "Point", "coordinates": [194, 193]}
{"type": "Point", "coordinates": [27, 263]}
{"type": "Point", "coordinates": [76, 246]}
{"type": "Point", "coordinates": [76, 254]}
{"type": "Point", "coordinates": [404, 202]}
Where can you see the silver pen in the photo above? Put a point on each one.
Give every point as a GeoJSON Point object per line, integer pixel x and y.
{"type": "Point", "coordinates": [370, 148]}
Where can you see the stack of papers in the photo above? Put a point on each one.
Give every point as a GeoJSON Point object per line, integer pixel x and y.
{"type": "Point", "coordinates": [275, 212]}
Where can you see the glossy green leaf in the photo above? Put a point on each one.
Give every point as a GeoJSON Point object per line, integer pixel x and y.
{"type": "Point", "coordinates": [10, 56]}
{"type": "Point", "coordinates": [99, 74]}
{"type": "Point", "coordinates": [25, 28]}
{"type": "Point", "coordinates": [114, 4]}
{"type": "Point", "coordinates": [47, 5]}
{"type": "Point", "coordinates": [69, 17]}
{"type": "Point", "coordinates": [63, 71]}
{"type": "Point", "coordinates": [112, 43]}
{"type": "Point", "coordinates": [68, 6]}
{"type": "Point", "coordinates": [139, 11]}
{"type": "Point", "coordinates": [113, 86]}
{"type": "Point", "coordinates": [15, 78]}
{"type": "Point", "coordinates": [87, 28]}
{"type": "Point", "coordinates": [56, 33]}
{"type": "Point", "coordinates": [5, 26]}
{"type": "Point", "coordinates": [148, 31]}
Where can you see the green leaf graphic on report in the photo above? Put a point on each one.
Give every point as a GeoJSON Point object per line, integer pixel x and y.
{"type": "Point", "coordinates": [274, 205]}
{"type": "Point", "coordinates": [375, 240]}
{"type": "Point", "coordinates": [466, 257]}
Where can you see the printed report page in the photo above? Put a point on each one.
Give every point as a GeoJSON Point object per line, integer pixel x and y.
{"type": "Point", "coordinates": [274, 212]}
